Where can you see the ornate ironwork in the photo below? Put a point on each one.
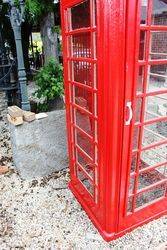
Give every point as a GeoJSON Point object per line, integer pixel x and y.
{"type": "Point", "coordinates": [7, 82]}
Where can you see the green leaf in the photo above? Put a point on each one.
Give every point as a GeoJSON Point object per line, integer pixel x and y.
{"type": "Point", "coordinates": [50, 80]}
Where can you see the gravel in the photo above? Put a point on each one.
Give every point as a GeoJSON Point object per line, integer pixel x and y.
{"type": "Point", "coordinates": [43, 214]}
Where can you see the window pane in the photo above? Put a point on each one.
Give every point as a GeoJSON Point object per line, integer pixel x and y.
{"type": "Point", "coordinates": [151, 195]}
{"type": "Point", "coordinates": [82, 72]}
{"type": "Point", "coordinates": [83, 98]}
{"type": "Point", "coordinates": [157, 77]}
{"type": "Point", "coordinates": [86, 164]}
{"type": "Point", "coordinates": [85, 181]}
{"type": "Point", "coordinates": [138, 109]}
{"type": "Point", "coordinates": [142, 45]}
{"type": "Point", "coordinates": [159, 16]}
{"type": "Point", "coordinates": [84, 143]}
{"type": "Point", "coordinates": [153, 156]}
{"type": "Point", "coordinates": [95, 82]}
{"type": "Point", "coordinates": [129, 205]}
{"type": "Point", "coordinates": [151, 177]}
{"type": "Point", "coordinates": [84, 122]}
{"type": "Point", "coordinates": [94, 43]}
{"type": "Point", "coordinates": [144, 4]}
{"type": "Point", "coordinates": [158, 45]}
{"type": "Point", "coordinates": [135, 140]}
{"type": "Point", "coordinates": [155, 132]}
{"type": "Point", "coordinates": [156, 106]}
{"type": "Point", "coordinates": [81, 45]}
{"type": "Point", "coordinates": [140, 80]}
{"type": "Point", "coordinates": [132, 184]}
{"type": "Point", "coordinates": [80, 15]}
{"type": "Point", "coordinates": [133, 162]}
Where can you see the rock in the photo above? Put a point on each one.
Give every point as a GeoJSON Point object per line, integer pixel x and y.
{"type": "Point", "coordinates": [41, 116]}
{"type": "Point", "coordinates": [4, 169]}
{"type": "Point", "coordinates": [28, 116]}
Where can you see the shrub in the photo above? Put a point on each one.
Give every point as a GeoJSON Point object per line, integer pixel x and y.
{"type": "Point", "coordinates": [50, 83]}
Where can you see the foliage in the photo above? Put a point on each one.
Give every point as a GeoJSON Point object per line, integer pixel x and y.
{"type": "Point", "coordinates": [35, 13]}
{"type": "Point", "coordinates": [5, 28]}
{"type": "Point", "coordinates": [56, 29]}
{"type": "Point", "coordinates": [50, 83]}
{"type": "Point", "coordinates": [37, 9]}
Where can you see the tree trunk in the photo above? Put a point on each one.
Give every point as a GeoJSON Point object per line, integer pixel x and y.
{"type": "Point", "coordinates": [49, 38]}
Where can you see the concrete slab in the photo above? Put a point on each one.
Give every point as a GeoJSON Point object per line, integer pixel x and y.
{"type": "Point", "coordinates": [39, 148]}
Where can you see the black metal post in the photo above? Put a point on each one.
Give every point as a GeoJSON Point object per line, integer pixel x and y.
{"type": "Point", "coordinates": [16, 19]}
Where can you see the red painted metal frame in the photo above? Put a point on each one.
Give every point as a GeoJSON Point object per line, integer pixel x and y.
{"type": "Point", "coordinates": [128, 221]}
{"type": "Point", "coordinates": [117, 29]}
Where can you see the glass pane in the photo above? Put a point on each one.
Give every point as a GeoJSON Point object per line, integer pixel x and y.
{"type": "Point", "coordinates": [133, 162]}
{"type": "Point", "coordinates": [131, 186]}
{"type": "Point", "coordinates": [156, 106]}
{"type": "Point", "coordinates": [86, 164]}
{"type": "Point", "coordinates": [129, 206]}
{"type": "Point", "coordinates": [158, 45]}
{"type": "Point", "coordinates": [94, 41]}
{"type": "Point", "coordinates": [81, 45]}
{"type": "Point", "coordinates": [85, 181]}
{"type": "Point", "coordinates": [155, 132]}
{"type": "Point", "coordinates": [83, 98]}
{"type": "Point", "coordinates": [153, 156]}
{"type": "Point", "coordinates": [94, 16]}
{"type": "Point", "coordinates": [140, 80]}
{"type": "Point", "coordinates": [82, 72]}
{"type": "Point", "coordinates": [142, 45]}
{"type": "Point", "coordinates": [95, 105]}
{"type": "Point", "coordinates": [138, 109]}
{"type": "Point", "coordinates": [157, 78]}
{"type": "Point", "coordinates": [159, 16]}
{"type": "Point", "coordinates": [84, 122]}
{"type": "Point", "coordinates": [151, 177]}
{"type": "Point", "coordinates": [80, 15]}
{"type": "Point", "coordinates": [151, 195]}
{"type": "Point", "coordinates": [95, 82]}
{"type": "Point", "coordinates": [84, 143]}
{"type": "Point", "coordinates": [135, 140]}
{"type": "Point", "coordinates": [144, 4]}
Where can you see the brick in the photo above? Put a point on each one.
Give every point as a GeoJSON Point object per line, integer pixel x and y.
{"type": "Point", "coordinates": [15, 111]}
{"type": "Point", "coordinates": [15, 120]}
{"type": "Point", "coordinates": [28, 116]}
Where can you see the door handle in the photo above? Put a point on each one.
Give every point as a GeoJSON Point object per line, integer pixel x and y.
{"type": "Point", "coordinates": [129, 106]}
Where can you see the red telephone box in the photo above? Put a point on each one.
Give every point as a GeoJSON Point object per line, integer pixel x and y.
{"type": "Point", "coordinates": [115, 74]}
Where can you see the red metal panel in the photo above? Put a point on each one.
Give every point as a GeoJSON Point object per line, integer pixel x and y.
{"type": "Point", "coordinates": [149, 184]}
{"type": "Point", "coordinates": [82, 113]}
{"type": "Point", "coordinates": [109, 101]}
{"type": "Point", "coordinates": [106, 68]}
